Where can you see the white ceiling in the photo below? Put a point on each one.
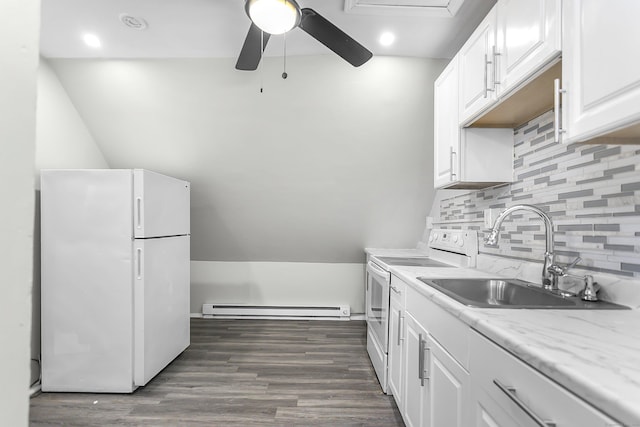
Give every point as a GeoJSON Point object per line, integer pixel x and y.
{"type": "Point", "coordinates": [217, 28]}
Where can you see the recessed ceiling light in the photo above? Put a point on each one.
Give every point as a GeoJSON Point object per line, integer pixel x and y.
{"type": "Point", "coordinates": [91, 40]}
{"type": "Point", "coordinates": [387, 39]}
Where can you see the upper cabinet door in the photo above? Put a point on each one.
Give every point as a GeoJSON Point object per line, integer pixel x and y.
{"type": "Point", "coordinates": [446, 143]}
{"type": "Point", "coordinates": [528, 37]}
{"type": "Point", "coordinates": [477, 72]}
{"type": "Point", "coordinates": [161, 205]}
{"type": "Point", "coordinates": [600, 67]}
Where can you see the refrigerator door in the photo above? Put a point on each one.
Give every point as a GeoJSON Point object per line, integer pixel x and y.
{"type": "Point", "coordinates": [161, 279]}
{"type": "Point", "coordinates": [161, 205]}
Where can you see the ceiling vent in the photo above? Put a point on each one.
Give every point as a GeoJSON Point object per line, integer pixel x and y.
{"type": "Point", "coordinates": [133, 22]}
{"type": "Point", "coordinates": [428, 8]}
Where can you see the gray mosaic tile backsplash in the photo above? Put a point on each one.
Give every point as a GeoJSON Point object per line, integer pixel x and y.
{"type": "Point", "coordinates": [591, 192]}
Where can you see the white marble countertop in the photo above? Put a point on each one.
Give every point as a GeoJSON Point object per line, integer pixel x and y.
{"type": "Point", "coordinates": [593, 353]}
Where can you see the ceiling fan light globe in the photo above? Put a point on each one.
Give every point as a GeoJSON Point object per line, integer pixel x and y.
{"type": "Point", "coordinates": [274, 16]}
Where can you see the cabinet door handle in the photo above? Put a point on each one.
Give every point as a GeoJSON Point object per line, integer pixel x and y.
{"type": "Point", "coordinates": [423, 373]}
{"type": "Point", "coordinates": [451, 173]}
{"type": "Point", "coordinates": [495, 67]}
{"type": "Point", "coordinates": [400, 321]}
{"type": "Point", "coordinates": [427, 362]}
{"type": "Point", "coordinates": [396, 290]}
{"type": "Point", "coordinates": [486, 64]}
{"type": "Point", "coordinates": [557, 92]}
{"type": "Point", "coordinates": [511, 394]}
{"type": "Point", "coordinates": [420, 360]}
{"type": "Point", "coordinates": [486, 73]}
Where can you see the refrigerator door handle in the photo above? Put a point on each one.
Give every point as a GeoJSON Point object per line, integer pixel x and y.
{"type": "Point", "coordinates": [138, 212]}
{"type": "Point", "coordinates": [139, 262]}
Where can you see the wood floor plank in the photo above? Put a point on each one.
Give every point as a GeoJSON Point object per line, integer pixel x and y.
{"type": "Point", "coordinates": [245, 373]}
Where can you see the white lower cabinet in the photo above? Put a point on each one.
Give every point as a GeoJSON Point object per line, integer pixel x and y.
{"type": "Point", "coordinates": [449, 384]}
{"type": "Point", "coordinates": [508, 393]}
{"type": "Point", "coordinates": [435, 388]}
{"type": "Point", "coordinates": [415, 410]}
{"type": "Point", "coordinates": [445, 374]}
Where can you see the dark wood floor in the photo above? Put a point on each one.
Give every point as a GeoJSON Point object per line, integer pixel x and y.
{"type": "Point", "coordinates": [245, 373]}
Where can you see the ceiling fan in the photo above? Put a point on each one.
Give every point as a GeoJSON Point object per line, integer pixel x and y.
{"type": "Point", "coordinates": [270, 17]}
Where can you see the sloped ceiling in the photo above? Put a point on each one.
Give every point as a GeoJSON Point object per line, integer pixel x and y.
{"type": "Point", "coordinates": [314, 168]}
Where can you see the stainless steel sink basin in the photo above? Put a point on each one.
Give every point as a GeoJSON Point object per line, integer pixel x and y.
{"type": "Point", "coordinates": [510, 293]}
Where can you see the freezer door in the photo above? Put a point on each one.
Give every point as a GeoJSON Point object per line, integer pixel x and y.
{"type": "Point", "coordinates": [161, 205]}
{"type": "Point", "coordinates": [161, 304]}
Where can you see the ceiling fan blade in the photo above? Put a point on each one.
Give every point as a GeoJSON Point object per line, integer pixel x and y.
{"type": "Point", "coordinates": [250, 54]}
{"type": "Point", "coordinates": [334, 38]}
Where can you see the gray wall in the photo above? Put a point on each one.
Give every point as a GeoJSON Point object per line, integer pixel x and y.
{"type": "Point", "coordinates": [311, 170]}
{"type": "Point", "coordinates": [314, 168]}
{"type": "Point", "coordinates": [19, 21]}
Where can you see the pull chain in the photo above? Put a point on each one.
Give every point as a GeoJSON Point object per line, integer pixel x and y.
{"type": "Point", "coordinates": [284, 66]}
{"type": "Point", "coordinates": [261, 62]}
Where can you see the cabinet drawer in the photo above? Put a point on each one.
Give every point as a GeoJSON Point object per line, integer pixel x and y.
{"type": "Point", "coordinates": [500, 378]}
{"type": "Point", "coordinates": [450, 332]}
{"type": "Point", "coordinates": [398, 291]}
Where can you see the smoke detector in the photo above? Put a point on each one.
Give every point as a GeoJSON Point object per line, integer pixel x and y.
{"type": "Point", "coordinates": [134, 22]}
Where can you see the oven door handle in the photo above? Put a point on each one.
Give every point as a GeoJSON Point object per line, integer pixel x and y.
{"type": "Point", "coordinates": [377, 271]}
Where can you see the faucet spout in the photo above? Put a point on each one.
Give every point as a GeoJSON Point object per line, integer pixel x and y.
{"type": "Point", "coordinates": [549, 280]}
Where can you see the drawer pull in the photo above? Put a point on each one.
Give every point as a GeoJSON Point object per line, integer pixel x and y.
{"type": "Point", "coordinates": [511, 394]}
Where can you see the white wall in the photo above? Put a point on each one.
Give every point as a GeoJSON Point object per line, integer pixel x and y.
{"type": "Point", "coordinates": [19, 23]}
{"type": "Point", "coordinates": [312, 170]}
{"type": "Point", "coordinates": [277, 283]}
{"type": "Point", "coordinates": [62, 141]}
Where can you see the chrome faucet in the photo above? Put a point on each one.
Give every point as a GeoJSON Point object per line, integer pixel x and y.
{"type": "Point", "coordinates": [550, 271]}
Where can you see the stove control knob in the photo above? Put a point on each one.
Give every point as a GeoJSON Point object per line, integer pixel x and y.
{"type": "Point", "coordinates": [455, 238]}
{"type": "Point", "coordinates": [461, 242]}
{"type": "Point", "coordinates": [435, 236]}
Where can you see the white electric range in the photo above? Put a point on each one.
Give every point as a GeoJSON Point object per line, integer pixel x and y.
{"type": "Point", "coordinates": [445, 249]}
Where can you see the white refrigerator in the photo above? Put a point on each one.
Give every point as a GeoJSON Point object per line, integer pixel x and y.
{"type": "Point", "coordinates": [115, 277]}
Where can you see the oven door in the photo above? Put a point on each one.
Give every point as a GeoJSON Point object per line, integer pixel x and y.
{"type": "Point", "coordinates": [377, 293]}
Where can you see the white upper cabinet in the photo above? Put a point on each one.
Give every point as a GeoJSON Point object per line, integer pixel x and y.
{"type": "Point", "coordinates": [515, 43]}
{"type": "Point", "coordinates": [528, 37]}
{"type": "Point", "coordinates": [477, 84]}
{"type": "Point", "coordinates": [600, 68]}
{"type": "Point", "coordinates": [466, 158]}
{"type": "Point", "coordinates": [445, 124]}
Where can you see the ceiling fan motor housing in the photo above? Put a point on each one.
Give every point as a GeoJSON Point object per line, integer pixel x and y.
{"type": "Point", "coordinates": [274, 16]}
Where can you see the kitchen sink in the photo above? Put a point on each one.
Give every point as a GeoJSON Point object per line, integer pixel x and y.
{"type": "Point", "coordinates": [510, 293]}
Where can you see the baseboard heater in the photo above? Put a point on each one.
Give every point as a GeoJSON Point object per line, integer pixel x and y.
{"type": "Point", "coordinates": [342, 312]}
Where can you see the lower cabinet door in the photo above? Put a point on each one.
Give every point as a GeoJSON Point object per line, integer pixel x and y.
{"type": "Point", "coordinates": [396, 353]}
{"type": "Point", "coordinates": [416, 386]}
{"type": "Point", "coordinates": [508, 392]}
{"type": "Point", "coordinates": [449, 388]}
